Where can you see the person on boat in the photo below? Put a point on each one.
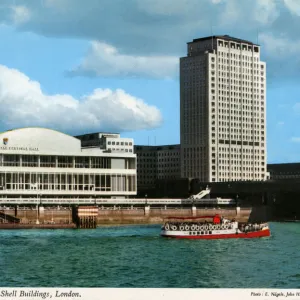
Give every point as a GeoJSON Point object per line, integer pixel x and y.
{"type": "Point", "coordinates": [216, 219]}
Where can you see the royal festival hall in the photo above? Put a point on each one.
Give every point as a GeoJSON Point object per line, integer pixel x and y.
{"type": "Point", "coordinates": [40, 166]}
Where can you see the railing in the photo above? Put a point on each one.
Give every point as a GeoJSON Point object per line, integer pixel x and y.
{"type": "Point", "coordinates": [131, 201]}
{"type": "Point", "coordinates": [9, 218]}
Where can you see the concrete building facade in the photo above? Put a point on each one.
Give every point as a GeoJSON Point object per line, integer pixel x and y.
{"type": "Point", "coordinates": [223, 110]}
{"type": "Point", "coordinates": [284, 171]}
{"type": "Point", "coordinates": [156, 162]}
{"type": "Point", "coordinates": [47, 164]}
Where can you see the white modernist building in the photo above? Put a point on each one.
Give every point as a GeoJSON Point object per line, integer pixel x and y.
{"type": "Point", "coordinates": [223, 110]}
{"type": "Point", "coordinates": [48, 166]}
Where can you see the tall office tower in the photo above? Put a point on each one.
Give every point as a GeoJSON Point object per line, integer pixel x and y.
{"type": "Point", "coordinates": [223, 110]}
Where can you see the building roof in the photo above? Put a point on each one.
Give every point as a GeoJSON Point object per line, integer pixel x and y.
{"type": "Point", "coordinates": [284, 167]}
{"type": "Point", "coordinates": [33, 127]}
{"type": "Point", "coordinates": [223, 37]}
{"type": "Point", "coordinates": [38, 140]}
{"type": "Point", "coordinates": [93, 133]}
{"type": "Point", "coordinates": [157, 147]}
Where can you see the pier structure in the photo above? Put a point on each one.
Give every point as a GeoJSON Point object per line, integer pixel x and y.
{"type": "Point", "coordinates": [85, 216]}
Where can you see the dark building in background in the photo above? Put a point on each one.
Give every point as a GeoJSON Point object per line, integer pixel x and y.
{"type": "Point", "coordinates": [284, 171]}
{"type": "Point", "coordinates": [156, 163]}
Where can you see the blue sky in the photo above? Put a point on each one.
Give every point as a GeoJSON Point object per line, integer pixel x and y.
{"type": "Point", "coordinates": [102, 65]}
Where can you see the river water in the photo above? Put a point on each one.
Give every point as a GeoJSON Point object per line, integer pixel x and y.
{"type": "Point", "coordinates": [136, 256]}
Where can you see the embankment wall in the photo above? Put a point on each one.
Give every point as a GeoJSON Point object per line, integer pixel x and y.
{"type": "Point", "coordinates": [140, 215]}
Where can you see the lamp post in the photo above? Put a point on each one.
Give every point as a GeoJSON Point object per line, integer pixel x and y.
{"type": "Point", "coordinates": [146, 199]}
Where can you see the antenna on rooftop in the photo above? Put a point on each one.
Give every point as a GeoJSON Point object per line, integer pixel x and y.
{"type": "Point", "coordinates": [212, 39]}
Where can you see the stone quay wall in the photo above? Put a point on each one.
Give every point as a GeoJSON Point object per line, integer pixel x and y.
{"type": "Point", "coordinates": [114, 216]}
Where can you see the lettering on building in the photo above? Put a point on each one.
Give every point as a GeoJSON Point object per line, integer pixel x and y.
{"type": "Point", "coordinates": [19, 148]}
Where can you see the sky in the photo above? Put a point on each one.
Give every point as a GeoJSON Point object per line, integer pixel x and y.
{"type": "Point", "coordinates": [113, 65]}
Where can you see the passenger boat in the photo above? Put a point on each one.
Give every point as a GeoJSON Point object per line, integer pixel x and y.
{"type": "Point", "coordinates": [216, 228]}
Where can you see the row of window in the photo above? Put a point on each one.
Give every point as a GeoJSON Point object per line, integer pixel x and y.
{"type": "Point", "coordinates": [246, 139]}
{"type": "Point", "coordinates": [36, 181]}
{"type": "Point", "coordinates": [119, 143]}
{"type": "Point", "coordinates": [238, 46]}
{"type": "Point", "coordinates": [166, 170]}
{"type": "Point", "coordinates": [223, 164]}
{"type": "Point", "coordinates": [230, 82]}
{"type": "Point", "coordinates": [237, 62]}
{"type": "Point", "coordinates": [236, 94]}
{"type": "Point", "coordinates": [55, 161]}
{"type": "Point", "coordinates": [248, 126]}
{"type": "Point", "coordinates": [239, 56]}
{"type": "Point", "coordinates": [224, 107]}
{"type": "Point", "coordinates": [236, 128]}
{"type": "Point", "coordinates": [249, 123]}
{"type": "Point", "coordinates": [120, 150]}
{"type": "Point", "coordinates": [238, 150]}
{"type": "Point", "coordinates": [257, 178]}
{"type": "Point", "coordinates": [223, 69]}
{"type": "Point", "coordinates": [153, 154]}
{"type": "Point", "coordinates": [250, 149]}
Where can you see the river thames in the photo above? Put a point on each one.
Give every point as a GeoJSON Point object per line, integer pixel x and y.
{"type": "Point", "coordinates": [136, 256]}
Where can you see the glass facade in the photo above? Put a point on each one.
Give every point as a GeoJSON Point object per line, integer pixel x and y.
{"type": "Point", "coordinates": [69, 174]}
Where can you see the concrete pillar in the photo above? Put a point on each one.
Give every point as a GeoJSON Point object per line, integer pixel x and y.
{"type": "Point", "coordinates": [16, 210]}
{"type": "Point", "coordinates": [194, 211]}
{"type": "Point", "coordinates": [147, 210]}
{"type": "Point", "coordinates": [238, 209]}
{"type": "Point", "coordinates": [41, 210]}
{"type": "Point", "coordinates": [37, 214]}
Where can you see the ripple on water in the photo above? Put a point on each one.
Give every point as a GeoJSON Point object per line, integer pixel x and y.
{"type": "Point", "coordinates": [135, 256]}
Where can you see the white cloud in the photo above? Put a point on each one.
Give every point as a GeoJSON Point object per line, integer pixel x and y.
{"type": "Point", "coordinates": [105, 60]}
{"type": "Point", "coordinates": [279, 46]}
{"type": "Point", "coordinates": [266, 11]}
{"type": "Point", "coordinates": [295, 139]}
{"type": "Point", "coordinates": [293, 6]}
{"type": "Point", "coordinates": [251, 14]}
{"type": "Point", "coordinates": [166, 7]}
{"type": "Point", "coordinates": [20, 14]}
{"type": "Point", "coordinates": [23, 103]}
{"type": "Point", "coordinates": [159, 28]}
{"type": "Point", "coordinates": [216, 1]}
{"type": "Point", "coordinates": [145, 27]}
{"type": "Point", "coordinates": [231, 13]}
{"type": "Point", "coordinates": [59, 5]}
{"type": "Point", "coordinates": [296, 108]}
